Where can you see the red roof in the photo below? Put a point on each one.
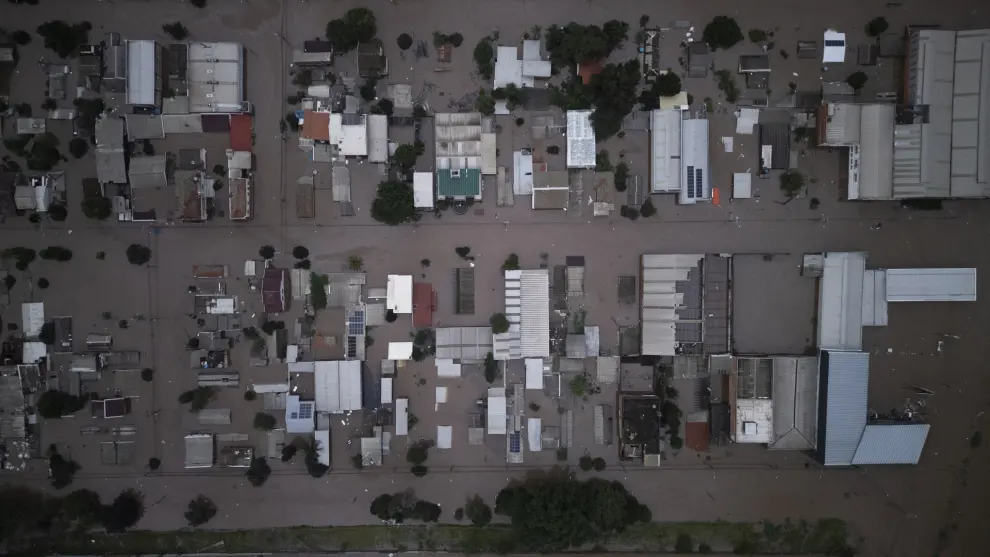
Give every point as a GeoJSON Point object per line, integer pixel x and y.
{"type": "Point", "coordinates": [590, 68]}
{"type": "Point", "coordinates": [697, 436]}
{"type": "Point", "coordinates": [424, 303]}
{"type": "Point", "coordinates": [240, 133]}
{"type": "Point", "coordinates": [275, 290]}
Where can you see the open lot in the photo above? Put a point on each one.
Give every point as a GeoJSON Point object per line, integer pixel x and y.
{"type": "Point", "coordinates": [896, 511]}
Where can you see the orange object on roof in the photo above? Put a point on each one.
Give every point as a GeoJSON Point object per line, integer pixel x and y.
{"type": "Point", "coordinates": [316, 125]}
{"type": "Point", "coordinates": [697, 436]}
{"type": "Point", "coordinates": [424, 304]}
{"type": "Point", "coordinates": [241, 133]}
{"type": "Point", "coordinates": [716, 199]}
{"type": "Point", "coordinates": [590, 68]}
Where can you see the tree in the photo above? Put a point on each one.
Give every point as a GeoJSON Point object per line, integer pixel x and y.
{"type": "Point", "coordinates": [264, 421]}
{"type": "Point", "coordinates": [477, 511]}
{"type": "Point", "coordinates": [586, 463]}
{"type": "Point", "coordinates": [198, 3]}
{"type": "Point", "coordinates": [78, 147]}
{"type": "Point", "coordinates": [269, 327]}
{"type": "Point", "coordinates": [57, 213]}
{"type": "Point", "coordinates": [201, 509]}
{"type": "Point", "coordinates": [394, 203]}
{"type": "Point", "coordinates": [357, 26]}
{"type": "Point", "coordinates": [579, 385]}
{"type": "Point", "coordinates": [485, 103]}
{"type": "Point", "coordinates": [154, 463]}
{"type": "Point", "coordinates": [43, 283]}
{"type": "Point", "coordinates": [621, 174]}
{"type": "Point", "coordinates": [386, 107]}
{"type": "Point", "coordinates": [463, 251]}
{"type": "Point", "coordinates": [125, 511]}
{"type": "Point", "coordinates": [647, 209]}
{"type": "Point", "coordinates": [21, 37]}
{"type": "Point", "coordinates": [198, 398]}
{"type": "Point", "coordinates": [613, 92]}
{"type": "Point", "coordinates": [288, 452]}
{"type": "Point", "coordinates": [684, 544]}
{"type": "Point", "coordinates": [667, 84]}
{"type": "Point", "coordinates": [877, 26]}
{"type": "Point", "coordinates": [97, 208]}
{"type": "Point", "coordinates": [554, 512]}
{"type": "Point", "coordinates": [23, 257]}
{"type": "Point", "coordinates": [491, 368]}
{"type": "Point", "coordinates": [176, 30]}
{"type": "Point", "coordinates": [722, 32]}
{"type": "Point", "coordinates": [61, 470]}
{"type": "Point", "coordinates": [266, 252]}
{"type": "Point", "coordinates": [55, 404]}
{"type": "Point", "coordinates": [9, 281]}
{"type": "Point", "coordinates": [616, 33]}
{"type": "Point", "coordinates": [305, 264]}
{"type": "Point", "coordinates": [405, 157]}
{"type": "Point", "coordinates": [303, 78]}
{"type": "Point", "coordinates": [368, 91]}
{"type": "Point", "coordinates": [258, 472]}
{"type": "Point", "coordinates": [791, 183]}
{"type": "Point", "coordinates": [49, 104]}
{"type": "Point", "coordinates": [757, 35]}
{"type": "Point", "coordinates": [484, 58]}
{"type": "Point", "coordinates": [293, 121]}
{"type": "Point", "coordinates": [47, 333]}
{"type": "Point", "coordinates": [676, 443]}
{"type": "Point", "coordinates": [578, 44]}
{"type": "Point", "coordinates": [404, 41]}
{"type": "Point", "coordinates": [857, 80]}
{"type": "Point", "coordinates": [83, 508]}
{"type": "Point", "coordinates": [56, 253]}
{"type": "Point", "coordinates": [318, 290]}
{"type": "Point", "coordinates": [299, 252]}
{"type": "Point", "coordinates": [456, 39]}
{"type": "Point", "coordinates": [499, 323]}
{"type": "Point", "coordinates": [147, 374]}
{"type": "Point", "coordinates": [355, 263]}
{"type": "Point", "coordinates": [63, 38]}
{"type": "Point", "coordinates": [138, 254]}
{"type": "Point", "coordinates": [599, 464]}
{"type": "Point", "coordinates": [419, 470]}
{"type": "Point", "coordinates": [511, 263]}
{"type": "Point", "coordinates": [311, 450]}
{"type": "Point", "coordinates": [417, 454]}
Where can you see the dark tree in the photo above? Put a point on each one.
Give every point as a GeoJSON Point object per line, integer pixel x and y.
{"type": "Point", "coordinates": [491, 368]}
{"type": "Point", "coordinates": [43, 283]}
{"type": "Point", "coordinates": [303, 264]}
{"type": "Point", "coordinates": [264, 422]}
{"type": "Point", "coordinates": [616, 33]}
{"type": "Point", "coordinates": [97, 208]}
{"type": "Point", "coordinates": [299, 252]}
{"type": "Point", "coordinates": [477, 511]}
{"type": "Point", "coordinates": [292, 121]}
{"type": "Point", "coordinates": [147, 374]}
{"type": "Point", "coordinates": [61, 470]}
{"type": "Point", "coordinates": [455, 39]}
{"type": "Point", "coordinates": [258, 472]}
{"type": "Point", "coordinates": [250, 395]}
{"type": "Point", "coordinates": [576, 44]}
{"type": "Point", "coordinates": [201, 509]}
{"type": "Point", "coordinates": [198, 3]}
{"type": "Point", "coordinates": [419, 470]}
{"type": "Point", "coordinates": [722, 32]}
{"type": "Point", "coordinates": [63, 38]}
{"type": "Point", "coordinates": [857, 80]}
{"type": "Point", "coordinates": [83, 508]}
{"type": "Point", "coordinates": [484, 57]}
{"type": "Point", "coordinates": [676, 443]}
{"type": "Point", "coordinates": [357, 26]}
{"type": "Point", "coordinates": [791, 183]}
{"type": "Point", "coordinates": [394, 204]}
{"type": "Point", "coordinates": [34, 218]}
{"type": "Point", "coordinates": [138, 254]}
{"type": "Point", "coordinates": [154, 463]}
{"type": "Point", "coordinates": [311, 451]}
{"type": "Point", "coordinates": [125, 511]}
{"type": "Point", "coordinates": [288, 452]}
{"type": "Point", "coordinates": [621, 175]}
{"type": "Point", "coordinates": [511, 263]}
{"type": "Point", "coordinates": [176, 30]}
{"type": "Point", "coordinates": [21, 37]}
{"type": "Point", "coordinates": [404, 41]}
{"type": "Point", "coordinates": [57, 213]}
{"type": "Point", "coordinates": [49, 104]}
{"type": "Point", "coordinates": [9, 281]}
{"type": "Point", "coordinates": [599, 464]}
{"type": "Point", "coordinates": [684, 544]}
{"type": "Point", "coordinates": [55, 404]}
{"type": "Point", "coordinates": [877, 26]}
{"type": "Point", "coordinates": [405, 157]}
{"type": "Point", "coordinates": [368, 91]}
{"type": "Point", "coordinates": [417, 454]}
{"type": "Point", "coordinates": [56, 253]}
{"type": "Point", "coordinates": [499, 323]}
{"type": "Point", "coordinates": [220, 170]}
{"type": "Point", "coordinates": [47, 333]}
{"type": "Point", "coordinates": [266, 252]}
{"type": "Point", "coordinates": [647, 209]}
{"type": "Point", "coordinates": [485, 103]}
{"type": "Point", "coordinates": [386, 107]}
{"type": "Point", "coordinates": [463, 251]}
{"type": "Point", "coordinates": [78, 147]}
{"type": "Point", "coordinates": [586, 463]}
{"type": "Point", "coordinates": [667, 85]}
{"type": "Point", "coordinates": [390, 316]}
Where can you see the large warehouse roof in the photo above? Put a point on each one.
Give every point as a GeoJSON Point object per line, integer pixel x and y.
{"type": "Point", "coordinates": [840, 302]}
{"type": "Point", "coordinates": [338, 386]}
{"type": "Point", "coordinates": [215, 75]}
{"type": "Point", "coordinates": [665, 146]}
{"type": "Point", "coordinates": [527, 307]}
{"type": "Point", "coordinates": [671, 303]}
{"type": "Point", "coordinates": [844, 379]}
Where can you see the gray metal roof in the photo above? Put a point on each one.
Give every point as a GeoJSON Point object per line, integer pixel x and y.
{"type": "Point", "coordinates": [897, 443]}
{"type": "Point", "coordinates": [844, 379]}
{"type": "Point", "coordinates": [199, 450]}
{"type": "Point", "coordinates": [671, 304]}
{"type": "Point", "coordinates": [778, 137]}
{"type": "Point", "coordinates": [110, 165]}
{"type": "Point", "coordinates": [970, 154]}
{"type": "Point", "coordinates": [795, 403]}
{"type": "Point", "coordinates": [145, 126]}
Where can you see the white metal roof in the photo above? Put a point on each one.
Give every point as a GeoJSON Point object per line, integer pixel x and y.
{"type": "Point", "coordinates": [508, 67]}
{"type": "Point", "coordinates": [531, 49]}
{"type": "Point", "coordinates": [199, 450]}
{"type": "Point", "coordinates": [497, 424]}
{"type": "Point", "coordinates": [522, 172]}
{"type": "Point", "coordinates": [489, 152]}
{"type": "Point", "coordinates": [400, 350]}
{"type": "Point", "coordinates": [527, 308]}
{"type": "Point", "coordinates": [534, 433]}
{"type": "Point", "coordinates": [536, 68]}
{"type": "Point", "coordinates": [447, 368]}
{"type": "Point", "coordinates": [875, 298]}
{"type": "Point", "coordinates": [351, 139]}
{"type": "Point", "coordinates": [754, 420]}
{"type": "Point", "coordinates": [338, 386]}
{"type": "Point", "coordinates": [580, 139]}
{"type": "Point", "coordinates": [300, 415]}
{"type": "Point", "coordinates": [970, 156]}
{"type": "Point", "coordinates": [931, 285]}
{"type": "Point", "coordinates": [445, 436]}
{"type": "Point", "coordinates": [33, 352]}
{"type": "Point", "coordinates": [534, 373]}
{"type": "Point", "coordinates": [840, 301]}
{"type": "Point", "coordinates": [402, 416]}
{"type": "Point", "coordinates": [386, 390]}
{"type": "Point", "coordinates": [423, 195]}
{"type": "Point", "coordinates": [660, 300]}
{"type": "Point", "coordinates": [835, 47]}
{"type": "Point", "coordinates": [399, 290]}
{"type": "Point", "coordinates": [742, 185]}
{"type": "Point", "coordinates": [141, 73]}
{"type": "Point", "coordinates": [215, 76]}
{"type": "Point", "coordinates": [747, 120]}
{"type": "Point", "coordinates": [665, 146]}
{"type": "Point", "coordinates": [377, 138]}
{"type": "Point", "coordinates": [695, 174]}
{"type": "Point", "coordinates": [323, 447]}
{"type": "Point", "coordinates": [32, 318]}
{"type": "Point", "coordinates": [900, 443]}
{"type": "Point", "coordinates": [262, 388]}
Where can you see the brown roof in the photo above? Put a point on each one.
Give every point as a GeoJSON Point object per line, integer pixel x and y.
{"type": "Point", "coordinates": [590, 68]}
{"type": "Point", "coordinates": [316, 125]}
{"type": "Point", "coordinates": [275, 290]}
{"type": "Point", "coordinates": [240, 132]}
{"type": "Point", "coordinates": [697, 436]}
{"type": "Point", "coordinates": [424, 303]}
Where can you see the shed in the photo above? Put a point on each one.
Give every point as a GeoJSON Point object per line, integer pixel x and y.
{"type": "Point", "coordinates": [402, 416]}
{"type": "Point", "coordinates": [32, 318]}
{"type": "Point", "coordinates": [387, 387]}
{"type": "Point", "coordinates": [534, 373]}
{"type": "Point", "coordinates": [424, 300]}
{"type": "Point", "coordinates": [835, 47]}
{"type": "Point", "coordinates": [699, 59]}
{"type": "Point", "coordinates": [338, 386]}
{"type": "Point", "coordinates": [400, 350]}
{"type": "Point", "coordinates": [891, 443]}
{"type": "Point", "coordinates": [775, 146]}
{"type": "Point", "coordinates": [423, 195]}
{"type": "Point", "coordinates": [444, 436]}
{"type": "Point", "coordinates": [400, 294]}
{"type": "Point", "coordinates": [534, 433]}
{"type": "Point", "coordinates": [931, 285]}
{"type": "Point", "coordinates": [489, 151]}
{"type": "Point", "coordinates": [323, 447]}
{"type": "Point", "coordinates": [497, 424]}
{"type": "Point", "coordinates": [199, 450]}
{"type": "Point", "coordinates": [742, 185]}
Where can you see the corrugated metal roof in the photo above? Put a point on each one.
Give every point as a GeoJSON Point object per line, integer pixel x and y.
{"type": "Point", "coordinates": [971, 115]}
{"type": "Point", "coordinates": [876, 152]}
{"type": "Point", "coordinates": [778, 137]}
{"type": "Point", "coordinates": [423, 195]}
{"type": "Point", "coordinates": [694, 159]}
{"type": "Point", "coordinates": [930, 83]}
{"type": "Point", "coordinates": [144, 126]}
{"type": "Point", "coordinates": [671, 303]}
{"type": "Point", "coordinates": [795, 403]}
{"type": "Point", "coordinates": [338, 386]}
{"type": "Point", "coordinates": [891, 444]}
{"type": "Point", "coordinates": [533, 317]}
{"type": "Point", "coordinates": [845, 378]}
{"type": "Point", "coordinates": [377, 138]}
{"type": "Point", "coordinates": [199, 450]}
{"type": "Point", "coordinates": [463, 343]}
{"type": "Point", "coordinates": [580, 139]}
{"type": "Point", "coordinates": [241, 132]}
{"type": "Point", "coordinates": [665, 147]}
{"type": "Point", "coordinates": [840, 301]}
{"type": "Point", "coordinates": [465, 182]}
{"type": "Point", "coordinates": [931, 285]}
{"type": "Point", "coordinates": [875, 298]}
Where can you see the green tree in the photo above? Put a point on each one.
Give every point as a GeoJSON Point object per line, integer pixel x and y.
{"type": "Point", "coordinates": [586, 463]}
{"type": "Point", "coordinates": [368, 91]}
{"type": "Point", "coordinates": [176, 30]}
{"type": "Point", "coordinates": [138, 254]}
{"type": "Point", "coordinates": [684, 543]}
{"type": "Point", "coordinates": [21, 37]}
{"type": "Point", "coordinates": [299, 252]}
{"type": "Point", "coordinates": [318, 290]}
{"type": "Point", "coordinates": [78, 147]}
{"type": "Point", "coordinates": [511, 263]}
{"type": "Point", "coordinates": [580, 385]}
{"type": "Point", "coordinates": [616, 33]}
{"type": "Point", "coordinates": [491, 368]}
{"type": "Point", "coordinates": [599, 464]}
{"type": "Point", "coordinates": [484, 58]}
{"type": "Point", "coordinates": [404, 41]}
{"type": "Point", "coordinates": [267, 252]}
{"type": "Point", "coordinates": [857, 80]}
{"type": "Point", "coordinates": [647, 209]}
{"type": "Point", "coordinates": [311, 450]}
{"type": "Point", "coordinates": [386, 107]}
{"type": "Point", "coordinates": [578, 44]}
{"type": "Point", "coordinates": [258, 472]}
{"type": "Point", "coordinates": [485, 103]}
{"type": "Point", "coordinates": [200, 510]}
{"type": "Point", "coordinates": [264, 421]}
{"type": "Point", "coordinates": [722, 32]}
{"type": "Point", "coordinates": [56, 253]}
{"type": "Point", "coordinates": [357, 26]}
{"type": "Point", "coordinates": [63, 38]}
{"type": "Point", "coordinates": [394, 203]}
{"type": "Point", "coordinates": [61, 470]}
{"type": "Point", "coordinates": [57, 212]}
{"type": "Point", "coordinates": [499, 323]}
{"type": "Point", "coordinates": [757, 35]}
{"type": "Point", "coordinates": [405, 157]}
{"type": "Point", "coordinates": [621, 175]}
{"type": "Point", "coordinates": [417, 454]}
{"type": "Point", "coordinates": [82, 508]}
{"type": "Point", "coordinates": [614, 94]}
{"type": "Point", "coordinates": [125, 511]}
{"type": "Point", "coordinates": [477, 511]}
{"type": "Point", "coordinates": [791, 183]}
{"type": "Point", "coordinates": [55, 404]}
{"type": "Point", "coordinates": [877, 26]}
{"type": "Point", "coordinates": [198, 398]}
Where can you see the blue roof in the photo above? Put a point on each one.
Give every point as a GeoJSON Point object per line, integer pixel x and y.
{"type": "Point", "coordinates": [897, 443]}
{"type": "Point", "coordinates": [845, 379]}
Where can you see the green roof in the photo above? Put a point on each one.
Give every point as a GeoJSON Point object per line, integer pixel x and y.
{"type": "Point", "coordinates": [467, 184]}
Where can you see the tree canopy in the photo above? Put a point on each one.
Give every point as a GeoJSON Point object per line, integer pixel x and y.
{"type": "Point", "coordinates": [138, 254]}
{"type": "Point", "coordinates": [877, 26]}
{"type": "Point", "coordinates": [200, 510]}
{"type": "Point", "coordinates": [791, 183]}
{"type": "Point", "coordinates": [64, 38]}
{"type": "Point", "coordinates": [357, 26]}
{"type": "Point", "coordinates": [55, 404]}
{"type": "Point", "coordinates": [575, 44]}
{"type": "Point", "coordinates": [78, 147]}
{"type": "Point", "coordinates": [258, 472]}
{"type": "Point", "coordinates": [477, 511]}
{"type": "Point", "coordinates": [857, 80]}
{"type": "Point", "coordinates": [556, 512]}
{"type": "Point", "coordinates": [125, 511]}
{"type": "Point", "coordinates": [406, 154]}
{"type": "Point", "coordinates": [722, 32]}
{"type": "Point", "coordinates": [665, 85]}
{"type": "Point", "coordinates": [499, 323]}
{"type": "Point", "coordinates": [614, 93]}
{"type": "Point", "coordinates": [404, 505]}
{"type": "Point", "coordinates": [484, 57]}
{"type": "Point", "coordinates": [394, 203]}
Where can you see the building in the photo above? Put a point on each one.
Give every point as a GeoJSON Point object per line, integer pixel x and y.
{"type": "Point", "coordinates": [145, 75]}
{"type": "Point", "coordinates": [338, 386]}
{"type": "Point", "coordinates": [275, 290]}
{"type": "Point", "coordinates": [241, 132]}
{"type": "Point", "coordinates": [377, 138]}
{"type": "Point", "coordinates": [300, 415]}
{"type": "Point", "coordinates": [459, 154]}
{"type": "Point", "coordinates": [371, 60]}
{"type": "Point", "coordinates": [527, 308]}
{"type": "Point", "coordinates": [424, 300]}
{"type": "Point", "coordinates": [775, 147]}
{"type": "Point", "coordinates": [695, 174]}
{"type": "Point", "coordinates": [423, 194]}
{"type": "Point", "coordinates": [551, 189]}
{"type": "Point", "coordinates": [867, 131]}
{"type": "Point", "coordinates": [215, 78]}
{"type": "Point", "coordinates": [399, 294]}
{"type": "Point", "coordinates": [147, 172]}
{"type": "Point", "coordinates": [580, 139]}
{"type": "Point", "coordinates": [665, 149]}
{"type": "Point", "coordinates": [511, 70]}
{"type": "Point", "coordinates": [349, 134]}
{"type": "Point", "coordinates": [774, 401]}
{"type": "Point", "coordinates": [111, 167]}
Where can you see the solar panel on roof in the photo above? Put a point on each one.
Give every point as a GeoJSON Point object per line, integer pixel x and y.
{"type": "Point", "coordinates": [515, 443]}
{"type": "Point", "coordinates": [351, 347]}
{"type": "Point", "coordinates": [835, 43]}
{"type": "Point", "coordinates": [690, 181]}
{"type": "Point", "coordinates": [355, 325]}
{"type": "Point", "coordinates": [699, 183]}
